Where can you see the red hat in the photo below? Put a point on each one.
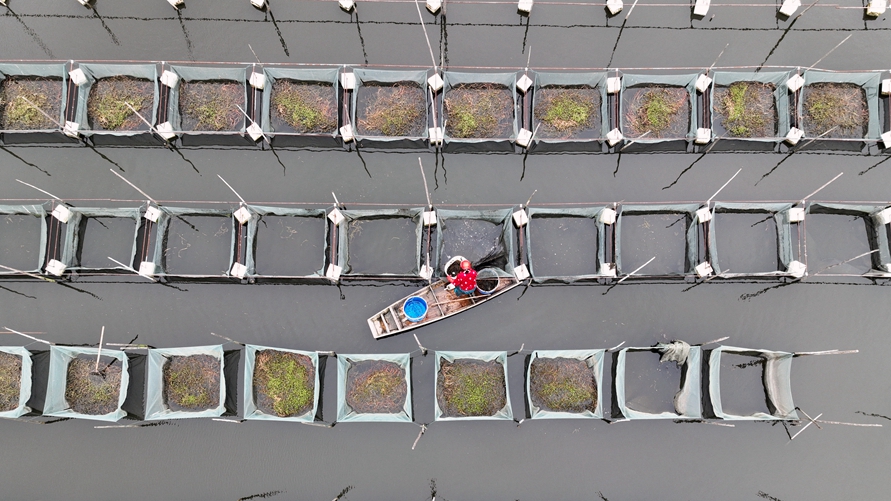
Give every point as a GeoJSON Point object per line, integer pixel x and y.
{"type": "Point", "coordinates": [465, 265]}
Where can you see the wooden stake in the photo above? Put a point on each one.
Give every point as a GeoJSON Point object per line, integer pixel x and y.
{"type": "Point", "coordinates": [827, 352]}
{"type": "Point", "coordinates": [616, 347]}
{"type": "Point", "coordinates": [635, 271]}
{"type": "Point", "coordinates": [850, 424]}
{"type": "Point", "coordinates": [29, 337]}
{"type": "Point", "coordinates": [423, 429]}
{"type": "Point", "coordinates": [805, 427]}
{"type": "Point", "coordinates": [423, 350]}
{"type": "Point", "coordinates": [99, 353]}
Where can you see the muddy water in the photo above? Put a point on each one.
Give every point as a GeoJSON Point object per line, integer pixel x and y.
{"type": "Point", "coordinates": [539, 460]}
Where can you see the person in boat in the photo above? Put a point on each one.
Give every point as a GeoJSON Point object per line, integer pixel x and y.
{"type": "Point", "coordinates": [465, 280]}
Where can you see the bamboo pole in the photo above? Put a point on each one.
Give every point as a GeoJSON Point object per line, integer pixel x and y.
{"type": "Point", "coordinates": [805, 427]}
{"type": "Point", "coordinates": [723, 186]}
{"type": "Point", "coordinates": [29, 337]}
{"type": "Point", "coordinates": [635, 271]}
{"type": "Point", "coordinates": [420, 434]}
{"type": "Point", "coordinates": [41, 111]}
{"type": "Point", "coordinates": [99, 352]}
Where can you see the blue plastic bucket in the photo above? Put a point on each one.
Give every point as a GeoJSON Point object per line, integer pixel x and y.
{"type": "Point", "coordinates": [415, 309]}
{"type": "Point", "coordinates": [486, 281]}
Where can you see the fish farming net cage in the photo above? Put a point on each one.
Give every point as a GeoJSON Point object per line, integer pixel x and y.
{"type": "Point", "coordinates": [23, 238]}
{"type": "Point", "coordinates": [282, 384]}
{"type": "Point", "coordinates": [103, 98]}
{"type": "Point", "coordinates": [386, 242]}
{"type": "Point", "coordinates": [775, 377]}
{"type": "Point", "coordinates": [391, 109]}
{"type": "Point", "coordinates": [192, 243]}
{"type": "Point", "coordinates": [636, 398]}
{"type": "Point", "coordinates": [471, 385]}
{"type": "Point", "coordinates": [479, 111]}
{"type": "Point", "coordinates": [203, 105]}
{"type": "Point", "coordinates": [840, 111]}
{"type": "Point", "coordinates": [837, 232]}
{"type": "Point", "coordinates": [46, 86]}
{"type": "Point", "coordinates": [302, 106]}
{"type": "Point", "coordinates": [92, 235]}
{"type": "Point", "coordinates": [754, 240]}
{"type": "Point", "coordinates": [671, 233]}
{"type": "Point", "coordinates": [566, 245]}
{"type": "Point", "coordinates": [568, 111]}
{"type": "Point", "coordinates": [658, 112]}
{"type": "Point", "coordinates": [484, 237]}
{"type": "Point", "coordinates": [85, 383]}
{"type": "Point", "coordinates": [564, 384]}
{"type": "Point", "coordinates": [286, 243]}
{"type": "Point", "coordinates": [15, 381]}
{"type": "Point", "coordinates": [374, 388]}
{"type": "Point", "coordinates": [191, 382]}
{"type": "Point", "coordinates": [749, 111]}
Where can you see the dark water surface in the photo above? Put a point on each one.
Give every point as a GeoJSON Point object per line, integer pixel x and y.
{"type": "Point", "coordinates": [547, 459]}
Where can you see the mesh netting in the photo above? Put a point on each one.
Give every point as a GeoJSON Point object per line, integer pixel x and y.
{"type": "Point", "coordinates": [390, 108]}
{"type": "Point", "coordinates": [485, 238]}
{"type": "Point", "coordinates": [286, 242]}
{"type": "Point", "coordinates": [839, 232]}
{"type": "Point", "coordinates": [189, 382]}
{"type": "Point", "coordinates": [640, 397]}
{"type": "Point", "coordinates": [381, 242]}
{"type": "Point", "coordinates": [669, 233]}
{"type": "Point", "coordinates": [565, 245]}
{"type": "Point", "coordinates": [776, 367]}
{"type": "Point", "coordinates": [471, 385]}
{"type": "Point", "coordinates": [301, 106]}
{"type": "Point", "coordinates": [564, 384]}
{"type": "Point", "coordinates": [100, 108]}
{"type": "Point", "coordinates": [15, 383]}
{"type": "Point", "coordinates": [752, 239]}
{"type": "Point", "coordinates": [77, 389]}
{"type": "Point", "coordinates": [374, 388]}
{"type": "Point", "coordinates": [22, 237]}
{"type": "Point", "coordinates": [281, 384]}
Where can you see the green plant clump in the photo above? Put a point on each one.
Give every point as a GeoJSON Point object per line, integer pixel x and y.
{"type": "Point", "coordinates": [10, 381]}
{"type": "Point", "coordinates": [284, 382]}
{"type": "Point", "coordinates": [479, 111]}
{"type": "Point", "coordinates": [839, 107]}
{"type": "Point", "coordinates": [307, 107]}
{"type": "Point", "coordinates": [661, 111]}
{"type": "Point", "coordinates": [468, 387]}
{"type": "Point", "coordinates": [564, 111]}
{"type": "Point", "coordinates": [392, 110]}
{"type": "Point", "coordinates": [109, 98]}
{"type": "Point", "coordinates": [192, 383]}
{"type": "Point", "coordinates": [747, 109]}
{"type": "Point", "coordinates": [376, 387]}
{"type": "Point", "coordinates": [89, 392]}
{"type": "Point", "coordinates": [17, 114]}
{"type": "Point", "coordinates": [563, 384]}
{"type": "Point", "coordinates": [211, 105]}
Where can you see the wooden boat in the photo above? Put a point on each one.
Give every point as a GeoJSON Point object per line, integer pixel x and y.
{"type": "Point", "coordinates": [441, 303]}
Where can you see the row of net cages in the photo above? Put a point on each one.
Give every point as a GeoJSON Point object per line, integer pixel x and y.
{"type": "Point", "coordinates": [699, 241]}
{"type": "Point", "coordinates": [152, 103]}
{"type": "Point", "coordinates": [666, 381]}
{"type": "Point", "coordinates": [257, 243]}
{"type": "Point", "coordinates": [250, 242]}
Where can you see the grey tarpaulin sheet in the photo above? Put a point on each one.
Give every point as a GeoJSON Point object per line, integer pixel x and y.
{"type": "Point", "coordinates": [202, 74]}
{"type": "Point", "coordinates": [25, 384]}
{"type": "Point", "coordinates": [777, 383]}
{"type": "Point", "coordinates": [346, 413]}
{"type": "Point", "coordinates": [258, 211]}
{"type": "Point", "coordinates": [39, 212]}
{"type": "Point", "coordinates": [95, 72]}
{"type": "Point", "coordinates": [320, 75]}
{"type": "Point", "coordinates": [594, 360]}
{"type": "Point", "coordinates": [484, 356]}
{"type": "Point", "coordinates": [509, 81]}
{"type": "Point", "coordinates": [686, 81]}
{"type": "Point", "coordinates": [343, 245]}
{"type": "Point", "coordinates": [591, 213]}
{"type": "Point", "coordinates": [780, 99]}
{"type": "Point", "coordinates": [692, 238]}
{"type": "Point", "coordinates": [877, 233]}
{"type": "Point", "coordinates": [56, 405]}
{"type": "Point", "coordinates": [73, 233]}
{"type": "Point", "coordinates": [780, 213]}
{"type": "Point", "coordinates": [164, 223]}
{"type": "Point", "coordinates": [250, 404]}
{"type": "Point", "coordinates": [55, 70]}
{"type": "Point", "coordinates": [502, 251]}
{"type": "Point", "coordinates": [686, 401]}
{"type": "Point", "coordinates": [364, 77]}
{"type": "Point", "coordinates": [596, 81]}
{"type": "Point", "coordinates": [155, 406]}
{"type": "Point", "coordinates": [870, 84]}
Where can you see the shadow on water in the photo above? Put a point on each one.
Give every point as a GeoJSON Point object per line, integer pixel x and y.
{"type": "Point", "coordinates": [29, 164]}
{"type": "Point", "coordinates": [775, 167]}
{"type": "Point", "coordinates": [17, 292]}
{"type": "Point", "coordinates": [262, 495]}
{"type": "Point", "coordinates": [79, 290]}
{"type": "Point", "coordinates": [284, 169]}
{"type": "Point", "coordinates": [364, 165]}
{"type": "Point", "coordinates": [31, 33]}
{"type": "Point", "coordinates": [182, 24]}
{"type": "Point", "coordinates": [873, 166]}
{"type": "Point", "coordinates": [767, 496]}
{"type": "Point", "coordinates": [281, 39]}
{"type": "Point", "coordinates": [112, 162]}
{"type": "Point", "coordinates": [525, 155]}
{"type": "Point", "coordinates": [174, 148]}
{"type": "Point", "coordinates": [874, 415]}
{"type": "Point", "coordinates": [114, 38]}
{"type": "Point", "coordinates": [618, 162]}
{"type": "Point", "coordinates": [525, 33]}
{"type": "Point", "coordinates": [683, 172]}
{"type": "Point", "coordinates": [361, 38]}
{"type": "Point", "coordinates": [344, 492]}
{"type": "Point", "coordinates": [746, 297]}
